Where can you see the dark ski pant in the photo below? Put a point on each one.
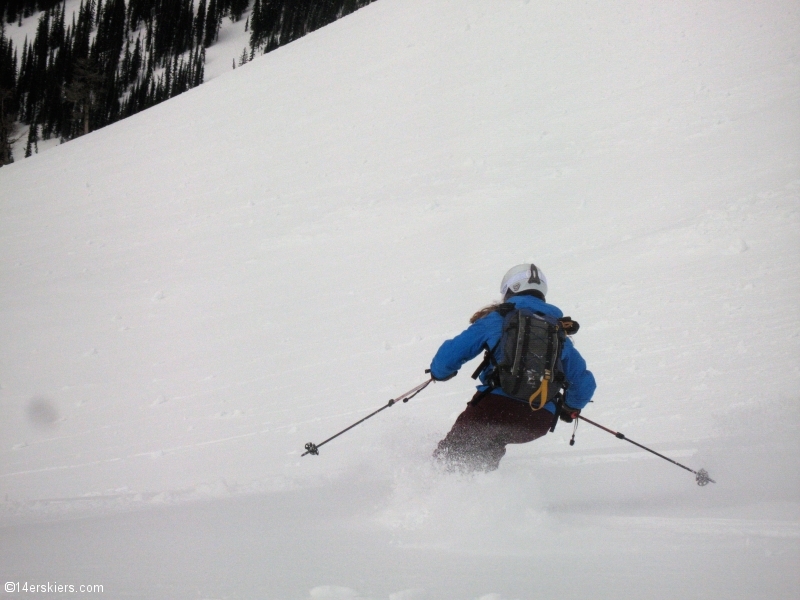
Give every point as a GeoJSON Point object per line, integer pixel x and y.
{"type": "Point", "coordinates": [478, 438]}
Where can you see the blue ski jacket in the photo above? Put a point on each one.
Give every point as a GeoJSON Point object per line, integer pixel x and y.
{"type": "Point", "coordinates": [487, 331]}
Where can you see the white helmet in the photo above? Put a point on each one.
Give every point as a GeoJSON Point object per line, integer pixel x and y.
{"type": "Point", "coordinates": [523, 278]}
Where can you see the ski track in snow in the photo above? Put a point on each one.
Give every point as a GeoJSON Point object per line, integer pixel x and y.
{"type": "Point", "coordinates": [192, 294]}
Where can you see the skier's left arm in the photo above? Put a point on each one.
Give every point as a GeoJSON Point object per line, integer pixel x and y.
{"type": "Point", "coordinates": [581, 381]}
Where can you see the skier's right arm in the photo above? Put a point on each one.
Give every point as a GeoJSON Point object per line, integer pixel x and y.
{"type": "Point", "coordinates": [464, 347]}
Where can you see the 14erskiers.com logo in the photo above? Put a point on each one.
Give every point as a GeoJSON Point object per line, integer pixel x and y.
{"type": "Point", "coordinates": [51, 587]}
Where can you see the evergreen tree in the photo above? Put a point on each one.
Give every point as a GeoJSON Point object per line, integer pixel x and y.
{"type": "Point", "coordinates": [200, 24]}
{"type": "Point", "coordinates": [83, 93]}
{"type": "Point", "coordinates": [257, 37]}
{"type": "Point", "coordinates": [212, 24]}
{"type": "Point", "coordinates": [33, 140]}
{"type": "Point", "coordinates": [136, 62]}
{"type": "Point", "coordinates": [139, 12]}
{"type": "Point", "coordinates": [83, 30]}
{"type": "Point", "coordinates": [7, 118]}
{"type": "Point", "coordinates": [8, 101]}
{"type": "Point", "coordinates": [237, 8]}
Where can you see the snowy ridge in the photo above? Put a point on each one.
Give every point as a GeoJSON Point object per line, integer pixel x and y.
{"type": "Point", "coordinates": [193, 293]}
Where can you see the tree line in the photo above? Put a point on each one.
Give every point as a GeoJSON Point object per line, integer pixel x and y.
{"type": "Point", "coordinates": [114, 58]}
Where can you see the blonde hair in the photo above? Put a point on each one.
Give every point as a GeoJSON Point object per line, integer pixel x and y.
{"type": "Point", "coordinates": [484, 311]}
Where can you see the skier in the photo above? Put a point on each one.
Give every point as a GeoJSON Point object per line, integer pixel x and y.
{"type": "Point", "coordinates": [494, 418]}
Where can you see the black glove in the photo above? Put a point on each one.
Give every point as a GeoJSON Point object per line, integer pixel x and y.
{"type": "Point", "coordinates": [435, 378]}
{"type": "Point", "coordinates": [569, 414]}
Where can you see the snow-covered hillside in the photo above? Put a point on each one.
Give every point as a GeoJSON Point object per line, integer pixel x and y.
{"type": "Point", "coordinates": [232, 38]}
{"type": "Point", "coordinates": [221, 57]}
{"type": "Point", "coordinates": [190, 295]}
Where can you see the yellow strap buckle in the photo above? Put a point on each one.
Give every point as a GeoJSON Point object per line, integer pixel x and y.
{"type": "Point", "coordinates": [541, 393]}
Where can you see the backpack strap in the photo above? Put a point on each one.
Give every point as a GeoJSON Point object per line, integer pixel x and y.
{"type": "Point", "coordinates": [493, 382]}
{"type": "Point", "coordinates": [488, 356]}
{"type": "Point", "coordinates": [541, 393]}
{"type": "Point", "coordinates": [569, 326]}
{"type": "Point", "coordinates": [505, 308]}
{"type": "Point", "coordinates": [488, 359]}
{"type": "Point", "coordinates": [554, 348]}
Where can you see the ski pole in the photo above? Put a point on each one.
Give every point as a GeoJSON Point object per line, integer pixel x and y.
{"type": "Point", "coordinates": [312, 448]}
{"type": "Point", "coordinates": [701, 476]}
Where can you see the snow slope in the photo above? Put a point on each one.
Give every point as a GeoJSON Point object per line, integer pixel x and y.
{"type": "Point", "coordinates": [190, 295]}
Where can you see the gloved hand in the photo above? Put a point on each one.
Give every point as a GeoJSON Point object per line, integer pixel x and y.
{"type": "Point", "coordinates": [435, 378]}
{"type": "Point", "coordinates": [569, 414]}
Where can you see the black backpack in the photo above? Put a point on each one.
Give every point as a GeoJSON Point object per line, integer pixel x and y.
{"type": "Point", "coordinates": [529, 350]}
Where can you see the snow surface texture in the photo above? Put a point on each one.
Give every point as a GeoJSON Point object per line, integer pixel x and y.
{"type": "Point", "coordinates": [190, 295]}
